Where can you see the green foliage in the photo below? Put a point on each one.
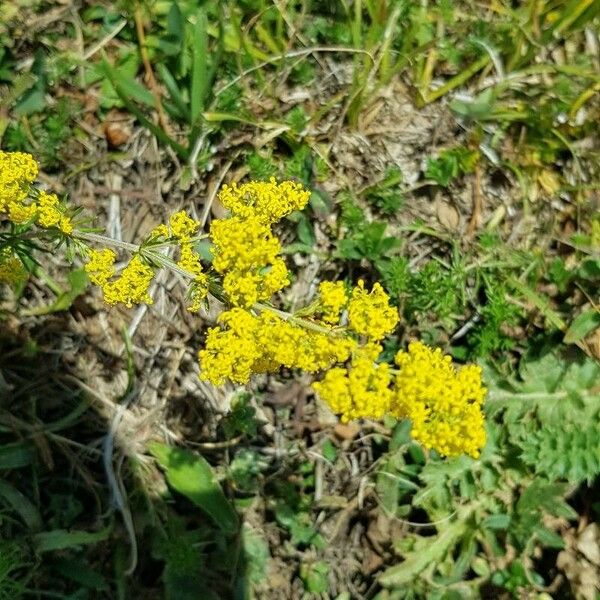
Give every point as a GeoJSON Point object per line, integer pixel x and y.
{"type": "Point", "coordinates": [368, 242]}
{"type": "Point", "coordinates": [191, 475]}
{"type": "Point", "coordinates": [551, 414]}
{"type": "Point", "coordinates": [12, 563]}
{"type": "Point", "coordinates": [241, 419]}
{"type": "Point", "coordinates": [314, 577]}
{"type": "Point", "coordinates": [387, 195]}
{"type": "Point", "coordinates": [44, 134]}
{"type": "Point", "coordinates": [299, 525]}
{"type": "Point", "coordinates": [497, 313]}
{"type": "Point", "coordinates": [183, 576]}
{"type": "Point", "coordinates": [262, 168]}
{"type": "Point", "coordinates": [451, 164]}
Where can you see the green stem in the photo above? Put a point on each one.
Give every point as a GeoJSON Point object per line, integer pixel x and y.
{"type": "Point", "coordinates": [171, 265]}
{"type": "Point", "coordinates": [304, 323]}
{"type": "Point", "coordinates": [463, 77]}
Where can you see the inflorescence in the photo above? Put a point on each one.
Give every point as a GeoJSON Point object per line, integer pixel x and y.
{"type": "Point", "coordinates": [338, 335]}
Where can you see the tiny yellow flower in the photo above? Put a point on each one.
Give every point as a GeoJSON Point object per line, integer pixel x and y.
{"type": "Point", "coordinates": [370, 313]}
{"type": "Point", "coordinates": [183, 226]}
{"type": "Point", "coordinates": [333, 300]}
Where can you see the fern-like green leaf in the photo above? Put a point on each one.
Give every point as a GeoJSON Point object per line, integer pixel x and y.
{"type": "Point", "coordinates": [561, 453]}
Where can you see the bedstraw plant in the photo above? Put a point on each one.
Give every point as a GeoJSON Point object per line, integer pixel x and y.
{"type": "Point", "coordinates": [338, 337]}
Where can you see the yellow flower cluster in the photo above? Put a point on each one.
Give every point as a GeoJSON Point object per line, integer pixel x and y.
{"type": "Point", "coordinates": [333, 300]}
{"type": "Point", "coordinates": [362, 390]}
{"type": "Point", "coordinates": [370, 313]}
{"type": "Point", "coordinates": [443, 403]}
{"type": "Point", "coordinates": [17, 172]}
{"type": "Point", "coordinates": [246, 253]}
{"type": "Point", "coordinates": [51, 213]}
{"type": "Point", "coordinates": [11, 268]}
{"type": "Point", "coordinates": [183, 227]}
{"type": "Point", "coordinates": [131, 287]}
{"type": "Point", "coordinates": [262, 343]}
{"type": "Point", "coordinates": [266, 201]}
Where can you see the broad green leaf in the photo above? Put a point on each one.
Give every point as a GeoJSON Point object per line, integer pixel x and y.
{"type": "Point", "coordinates": [583, 325]}
{"type": "Point", "coordinates": [191, 475]}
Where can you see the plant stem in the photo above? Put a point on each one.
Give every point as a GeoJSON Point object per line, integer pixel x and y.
{"type": "Point", "coordinates": [171, 265]}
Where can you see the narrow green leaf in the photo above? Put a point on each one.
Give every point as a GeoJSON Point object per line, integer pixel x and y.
{"type": "Point", "coordinates": [15, 456]}
{"type": "Point", "coordinates": [174, 91]}
{"type": "Point", "coordinates": [60, 539]}
{"type": "Point", "coordinates": [191, 475]}
{"type": "Point", "coordinates": [199, 66]}
{"type": "Point", "coordinates": [140, 116]}
{"type": "Point", "coordinates": [131, 88]}
{"type": "Point", "coordinates": [22, 505]}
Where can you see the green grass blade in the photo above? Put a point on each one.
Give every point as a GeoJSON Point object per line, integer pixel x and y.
{"type": "Point", "coordinates": [174, 92]}
{"type": "Point", "coordinates": [199, 67]}
{"type": "Point", "coordinates": [16, 456]}
{"type": "Point", "coordinates": [22, 505]}
{"type": "Point", "coordinates": [61, 539]}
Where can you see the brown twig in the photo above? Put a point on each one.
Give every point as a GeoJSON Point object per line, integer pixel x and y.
{"type": "Point", "coordinates": [477, 202]}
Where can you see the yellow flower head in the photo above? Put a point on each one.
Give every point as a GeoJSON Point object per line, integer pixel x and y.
{"type": "Point", "coordinates": [12, 271]}
{"type": "Point", "coordinates": [183, 226]}
{"type": "Point", "coordinates": [333, 300]}
{"type": "Point", "coordinates": [256, 344]}
{"type": "Point", "coordinates": [101, 266]}
{"type": "Point", "coordinates": [370, 313]}
{"type": "Point", "coordinates": [361, 391]}
{"type": "Point", "coordinates": [285, 344]}
{"type": "Point", "coordinates": [230, 353]}
{"type": "Point", "coordinates": [443, 403]}
{"type": "Point", "coordinates": [51, 214]}
{"type": "Point", "coordinates": [131, 287]}
{"type": "Point", "coordinates": [246, 253]}
{"type": "Point", "coordinates": [268, 201]}
{"type": "Point", "coordinates": [21, 213]}
{"type": "Point", "coordinates": [17, 172]}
